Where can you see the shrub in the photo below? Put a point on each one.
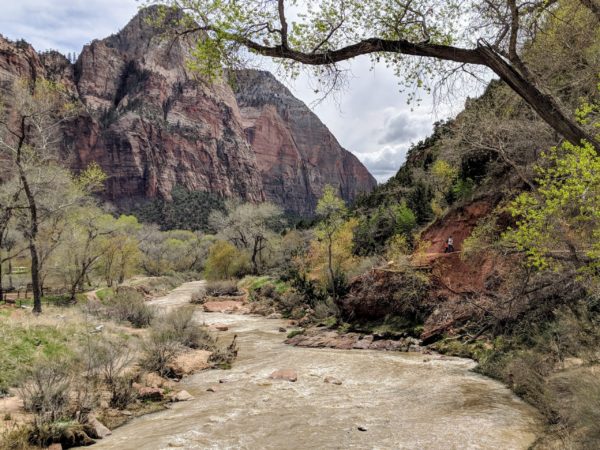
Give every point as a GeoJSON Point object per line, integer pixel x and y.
{"type": "Point", "coordinates": [326, 309]}
{"type": "Point", "coordinates": [222, 288]}
{"type": "Point", "coordinates": [129, 305]}
{"type": "Point", "coordinates": [169, 335]}
{"type": "Point", "coordinates": [108, 357]}
{"type": "Point", "coordinates": [198, 297]}
{"type": "Point", "coordinates": [159, 350]}
{"type": "Point", "coordinates": [225, 261]}
{"type": "Point", "coordinates": [46, 388]}
{"type": "Point", "coordinates": [223, 357]}
{"type": "Point", "coordinates": [121, 391]}
{"type": "Point", "coordinates": [179, 326]}
{"type": "Point", "coordinates": [291, 302]}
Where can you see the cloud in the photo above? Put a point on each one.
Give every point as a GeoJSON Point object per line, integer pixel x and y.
{"type": "Point", "coordinates": [405, 127]}
{"type": "Point", "coordinates": [64, 25]}
{"type": "Point", "coordinates": [384, 163]}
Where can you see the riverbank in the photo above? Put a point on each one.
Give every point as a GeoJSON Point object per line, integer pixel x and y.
{"type": "Point", "coordinates": [80, 361]}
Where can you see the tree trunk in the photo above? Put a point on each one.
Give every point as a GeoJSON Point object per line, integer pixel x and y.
{"type": "Point", "coordinates": [330, 266]}
{"type": "Point", "coordinates": [32, 236]}
{"type": "Point", "coordinates": [1, 287]}
{"type": "Point", "coordinates": [544, 105]}
{"type": "Point", "coordinates": [35, 276]}
{"type": "Point", "coordinates": [254, 255]}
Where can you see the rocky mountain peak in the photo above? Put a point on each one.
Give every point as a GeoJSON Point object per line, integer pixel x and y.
{"type": "Point", "coordinates": [152, 124]}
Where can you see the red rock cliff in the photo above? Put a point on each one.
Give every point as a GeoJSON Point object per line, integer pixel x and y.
{"type": "Point", "coordinates": [296, 153]}
{"type": "Point", "coordinates": [151, 125]}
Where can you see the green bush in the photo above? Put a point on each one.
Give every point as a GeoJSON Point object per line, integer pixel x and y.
{"type": "Point", "coordinates": [225, 261]}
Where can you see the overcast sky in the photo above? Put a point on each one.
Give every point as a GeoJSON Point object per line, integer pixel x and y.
{"type": "Point", "coordinates": [370, 118]}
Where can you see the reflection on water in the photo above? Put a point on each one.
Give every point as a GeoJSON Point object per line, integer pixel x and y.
{"type": "Point", "coordinates": [403, 401]}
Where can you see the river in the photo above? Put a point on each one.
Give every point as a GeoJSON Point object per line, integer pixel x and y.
{"type": "Point", "coordinates": [387, 400]}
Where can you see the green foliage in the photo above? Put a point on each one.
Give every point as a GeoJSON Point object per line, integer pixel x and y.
{"type": "Point", "coordinates": [253, 229]}
{"type": "Point", "coordinates": [187, 210]}
{"type": "Point", "coordinates": [92, 178]}
{"type": "Point", "coordinates": [225, 261]}
{"type": "Point", "coordinates": [375, 229]}
{"type": "Point", "coordinates": [561, 219]}
{"type": "Point", "coordinates": [295, 333]}
{"type": "Point", "coordinates": [463, 189]}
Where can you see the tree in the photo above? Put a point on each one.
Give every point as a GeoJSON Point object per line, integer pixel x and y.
{"type": "Point", "coordinates": [431, 32]}
{"type": "Point", "coordinates": [10, 193]}
{"type": "Point", "coordinates": [558, 225]}
{"type": "Point", "coordinates": [249, 227]}
{"type": "Point", "coordinates": [88, 229]}
{"type": "Point", "coordinates": [28, 139]}
{"type": "Point", "coordinates": [331, 209]}
{"type": "Point", "coordinates": [224, 261]}
{"type": "Point", "coordinates": [120, 251]}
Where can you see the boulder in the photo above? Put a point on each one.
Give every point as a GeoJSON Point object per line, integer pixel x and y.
{"type": "Point", "coordinates": [221, 327]}
{"type": "Point", "coordinates": [284, 374]}
{"type": "Point", "coordinates": [150, 393]}
{"type": "Point", "coordinates": [99, 430]}
{"type": "Point", "coordinates": [182, 396]}
{"type": "Point", "coordinates": [364, 343]}
{"type": "Point", "coordinates": [190, 362]}
{"type": "Point", "coordinates": [274, 316]}
{"type": "Point", "coordinates": [155, 380]}
{"type": "Point", "coordinates": [213, 388]}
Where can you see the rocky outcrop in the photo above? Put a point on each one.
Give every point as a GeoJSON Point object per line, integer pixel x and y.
{"type": "Point", "coordinates": [151, 124]}
{"type": "Point", "coordinates": [323, 338]}
{"type": "Point", "coordinates": [296, 154]}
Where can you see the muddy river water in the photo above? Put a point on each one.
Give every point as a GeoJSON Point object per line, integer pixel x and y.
{"type": "Point", "coordinates": [387, 400]}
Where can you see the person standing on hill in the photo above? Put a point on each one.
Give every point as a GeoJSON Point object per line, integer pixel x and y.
{"type": "Point", "coordinates": [449, 245]}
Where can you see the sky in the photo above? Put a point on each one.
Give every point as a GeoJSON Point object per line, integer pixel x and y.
{"type": "Point", "coordinates": [370, 117]}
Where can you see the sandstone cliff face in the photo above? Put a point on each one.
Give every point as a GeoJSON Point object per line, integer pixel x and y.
{"type": "Point", "coordinates": [152, 125]}
{"type": "Point", "coordinates": [296, 153]}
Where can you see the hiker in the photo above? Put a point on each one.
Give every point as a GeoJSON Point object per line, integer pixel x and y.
{"type": "Point", "coordinates": [449, 245]}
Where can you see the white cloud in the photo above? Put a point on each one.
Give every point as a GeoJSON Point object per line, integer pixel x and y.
{"type": "Point", "coordinates": [64, 25]}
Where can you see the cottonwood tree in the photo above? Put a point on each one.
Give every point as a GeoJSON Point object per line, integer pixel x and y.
{"type": "Point", "coordinates": [29, 138]}
{"type": "Point", "coordinates": [420, 39]}
{"type": "Point", "coordinates": [29, 142]}
{"type": "Point", "coordinates": [249, 227]}
{"type": "Point", "coordinates": [89, 229]}
{"type": "Point", "coordinates": [331, 209]}
{"type": "Point", "coordinates": [120, 251]}
{"type": "Point", "coordinates": [10, 193]}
